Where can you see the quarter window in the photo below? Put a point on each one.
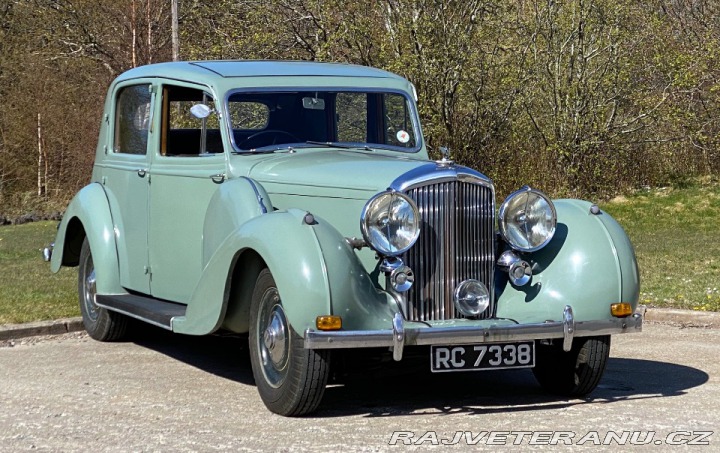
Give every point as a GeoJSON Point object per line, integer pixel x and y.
{"type": "Point", "coordinates": [132, 120]}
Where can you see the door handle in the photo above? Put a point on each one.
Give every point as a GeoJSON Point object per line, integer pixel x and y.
{"type": "Point", "coordinates": [219, 178]}
{"type": "Point", "coordinates": [142, 172]}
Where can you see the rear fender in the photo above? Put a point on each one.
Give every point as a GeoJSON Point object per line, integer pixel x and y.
{"type": "Point", "coordinates": [88, 215]}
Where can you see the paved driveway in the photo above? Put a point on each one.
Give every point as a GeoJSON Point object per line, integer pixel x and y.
{"type": "Point", "coordinates": [173, 393]}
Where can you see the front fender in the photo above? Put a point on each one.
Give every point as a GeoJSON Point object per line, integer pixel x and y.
{"type": "Point", "coordinates": [88, 214]}
{"type": "Point", "coordinates": [589, 264]}
{"type": "Point", "coordinates": [291, 252]}
{"type": "Point", "coordinates": [315, 270]}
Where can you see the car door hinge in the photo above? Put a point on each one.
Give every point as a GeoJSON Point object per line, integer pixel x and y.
{"type": "Point", "coordinates": [147, 270]}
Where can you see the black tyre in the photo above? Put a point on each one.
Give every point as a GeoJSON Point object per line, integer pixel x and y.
{"type": "Point", "coordinates": [101, 324]}
{"type": "Point", "coordinates": [573, 373]}
{"type": "Point", "coordinates": [290, 379]}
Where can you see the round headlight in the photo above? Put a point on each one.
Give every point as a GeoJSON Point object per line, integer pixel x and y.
{"type": "Point", "coordinates": [390, 223]}
{"type": "Point", "coordinates": [527, 220]}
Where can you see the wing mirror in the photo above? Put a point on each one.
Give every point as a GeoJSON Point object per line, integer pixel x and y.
{"type": "Point", "coordinates": [201, 111]}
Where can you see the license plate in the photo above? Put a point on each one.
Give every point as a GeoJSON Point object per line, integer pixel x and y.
{"type": "Point", "coordinates": [469, 357]}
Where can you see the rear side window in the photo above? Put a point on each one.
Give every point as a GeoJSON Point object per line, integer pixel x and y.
{"type": "Point", "coordinates": [132, 120]}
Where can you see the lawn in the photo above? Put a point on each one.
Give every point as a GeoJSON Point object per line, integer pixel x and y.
{"type": "Point", "coordinates": [676, 233]}
{"type": "Point", "coordinates": [28, 290]}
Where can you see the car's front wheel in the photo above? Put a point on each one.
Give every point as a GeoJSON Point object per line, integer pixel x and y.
{"type": "Point", "coordinates": [101, 324]}
{"type": "Point", "coordinates": [290, 379]}
{"type": "Point", "coordinates": [573, 373]}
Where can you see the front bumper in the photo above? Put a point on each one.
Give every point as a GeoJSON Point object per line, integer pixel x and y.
{"type": "Point", "coordinates": [399, 336]}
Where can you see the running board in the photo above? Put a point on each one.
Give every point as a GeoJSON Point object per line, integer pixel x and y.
{"type": "Point", "coordinates": [153, 311]}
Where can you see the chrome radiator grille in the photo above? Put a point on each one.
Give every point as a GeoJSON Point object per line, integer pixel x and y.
{"type": "Point", "coordinates": [456, 243]}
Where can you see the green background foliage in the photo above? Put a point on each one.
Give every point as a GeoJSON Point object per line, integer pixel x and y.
{"type": "Point", "coordinates": [582, 98]}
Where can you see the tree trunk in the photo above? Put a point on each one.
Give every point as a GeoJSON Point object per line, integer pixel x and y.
{"type": "Point", "coordinates": [40, 185]}
{"type": "Point", "coordinates": [134, 33]}
{"type": "Point", "coordinates": [175, 38]}
{"type": "Point", "coordinates": [149, 31]}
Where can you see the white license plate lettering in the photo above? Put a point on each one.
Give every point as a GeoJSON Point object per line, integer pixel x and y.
{"type": "Point", "coordinates": [482, 350]}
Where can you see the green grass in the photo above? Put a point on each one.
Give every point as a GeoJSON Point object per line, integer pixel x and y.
{"type": "Point", "coordinates": [676, 234]}
{"type": "Point", "coordinates": [28, 290]}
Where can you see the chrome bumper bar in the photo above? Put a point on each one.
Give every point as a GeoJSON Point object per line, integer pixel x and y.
{"type": "Point", "coordinates": [400, 336]}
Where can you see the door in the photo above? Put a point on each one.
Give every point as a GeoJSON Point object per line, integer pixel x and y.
{"type": "Point", "coordinates": [188, 166]}
{"type": "Point", "coordinates": [125, 177]}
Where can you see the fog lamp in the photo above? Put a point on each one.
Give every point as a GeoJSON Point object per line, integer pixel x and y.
{"type": "Point", "coordinates": [621, 310]}
{"type": "Point", "coordinates": [328, 322]}
{"type": "Point", "coordinates": [471, 298]}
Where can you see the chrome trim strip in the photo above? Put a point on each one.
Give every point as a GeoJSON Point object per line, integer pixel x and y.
{"type": "Point", "coordinates": [568, 328]}
{"type": "Point", "coordinates": [398, 337]}
{"type": "Point", "coordinates": [435, 174]}
{"type": "Point", "coordinates": [467, 335]}
{"type": "Point", "coordinates": [260, 200]}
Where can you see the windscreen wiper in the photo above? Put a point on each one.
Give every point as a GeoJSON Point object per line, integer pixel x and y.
{"type": "Point", "coordinates": [339, 145]}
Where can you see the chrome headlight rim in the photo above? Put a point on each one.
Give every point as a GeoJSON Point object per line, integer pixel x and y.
{"type": "Point", "coordinates": [503, 212]}
{"type": "Point", "coordinates": [365, 229]}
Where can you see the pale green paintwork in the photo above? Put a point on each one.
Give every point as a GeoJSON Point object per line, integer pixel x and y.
{"type": "Point", "coordinates": [177, 240]}
{"type": "Point", "coordinates": [589, 264]}
{"type": "Point", "coordinates": [199, 230]}
{"type": "Point", "coordinates": [90, 207]}
{"type": "Point", "coordinates": [127, 195]}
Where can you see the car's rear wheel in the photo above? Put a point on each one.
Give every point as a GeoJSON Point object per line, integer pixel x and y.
{"type": "Point", "coordinates": [290, 379]}
{"type": "Point", "coordinates": [101, 324]}
{"type": "Point", "coordinates": [573, 373]}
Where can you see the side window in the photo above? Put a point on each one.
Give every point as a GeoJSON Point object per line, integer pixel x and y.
{"type": "Point", "coordinates": [351, 109]}
{"type": "Point", "coordinates": [183, 134]}
{"type": "Point", "coordinates": [132, 120]}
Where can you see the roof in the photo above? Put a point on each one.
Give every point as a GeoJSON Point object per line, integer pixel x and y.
{"type": "Point", "coordinates": [254, 68]}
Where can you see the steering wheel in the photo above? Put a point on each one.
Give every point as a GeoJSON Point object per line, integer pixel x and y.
{"type": "Point", "coordinates": [275, 132]}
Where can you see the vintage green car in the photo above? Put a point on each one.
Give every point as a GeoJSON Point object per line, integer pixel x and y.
{"type": "Point", "coordinates": [295, 202]}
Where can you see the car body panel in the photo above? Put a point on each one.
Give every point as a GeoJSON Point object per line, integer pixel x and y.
{"type": "Point", "coordinates": [582, 266]}
{"type": "Point", "coordinates": [88, 215]}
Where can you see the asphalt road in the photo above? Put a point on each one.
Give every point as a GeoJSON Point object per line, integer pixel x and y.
{"type": "Point", "coordinates": [171, 393]}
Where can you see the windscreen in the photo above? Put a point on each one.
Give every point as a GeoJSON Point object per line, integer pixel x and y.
{"type": "Point", "coordinates": [347, 119]}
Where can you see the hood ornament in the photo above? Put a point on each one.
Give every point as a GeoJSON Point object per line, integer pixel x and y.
{"type": "Point", "coordinates": [445, 161]}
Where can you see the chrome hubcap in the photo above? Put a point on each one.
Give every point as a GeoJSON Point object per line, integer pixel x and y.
{"type": "Point", "coordinates": [90, 290]}
{"type": "Point", "coordinates": [273, 340]}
